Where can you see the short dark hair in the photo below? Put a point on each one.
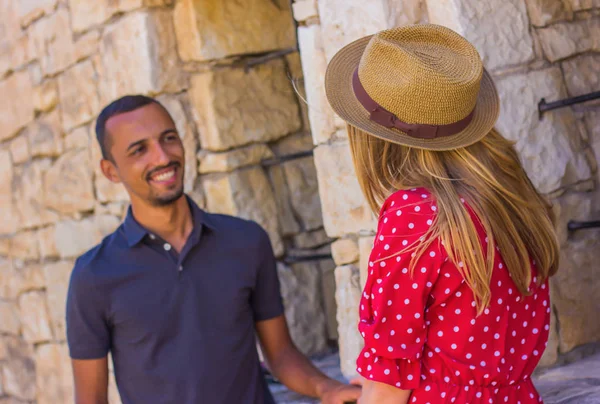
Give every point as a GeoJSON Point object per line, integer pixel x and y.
{"type": "Point", "coordinates": [124, 104]}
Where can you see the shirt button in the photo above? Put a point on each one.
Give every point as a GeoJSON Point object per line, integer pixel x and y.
{"type": "Point", "coordinates": [167, 246]}
{"type": "Point", "coordinates": [180, 268]}
{"type": "Point", "coordinates": [152, 237]}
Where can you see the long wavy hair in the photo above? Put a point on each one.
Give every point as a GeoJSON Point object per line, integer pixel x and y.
{"type": "Point", "coordinates": [489, 175]}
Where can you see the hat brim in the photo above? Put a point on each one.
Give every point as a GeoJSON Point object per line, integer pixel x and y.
{"type": "Point", "coordinates": [338, 88]}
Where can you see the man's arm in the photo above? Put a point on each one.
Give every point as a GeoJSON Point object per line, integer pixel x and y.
{"type": "Point", "coordinates": [91, 380]}
{"type": "Point", "coordinates": [381, 393]}
{"type": "Point", "coordinates": [295, 370]}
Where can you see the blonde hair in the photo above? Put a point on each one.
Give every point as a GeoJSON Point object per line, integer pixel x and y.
{"type": "Point", "coordinates": [487, 174]}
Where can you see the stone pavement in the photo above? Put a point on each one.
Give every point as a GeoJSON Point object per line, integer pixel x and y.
{"type": "Point", "coordinates": [576, 383]}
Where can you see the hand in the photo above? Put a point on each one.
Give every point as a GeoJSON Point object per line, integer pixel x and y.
{"type": "Point", "coordinates": [335, 392]}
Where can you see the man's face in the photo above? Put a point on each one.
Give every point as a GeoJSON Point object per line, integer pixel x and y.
{"type": "Point", "coordinates": [147, 155]}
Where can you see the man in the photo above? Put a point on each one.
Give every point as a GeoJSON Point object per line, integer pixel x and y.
{"type": "Point", "coordinates": [177, 294]}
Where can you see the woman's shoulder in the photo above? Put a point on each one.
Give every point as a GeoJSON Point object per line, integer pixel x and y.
{"type": "Point", "coordinates": [419, 200]}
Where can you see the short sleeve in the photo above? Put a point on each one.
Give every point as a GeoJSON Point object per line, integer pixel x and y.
{"type": "Point", "coordinates": [266, 297]}
{"type": "Point", "coordinates": [88, 332]}
{"type": "Point", "coordinates": [394, 302]}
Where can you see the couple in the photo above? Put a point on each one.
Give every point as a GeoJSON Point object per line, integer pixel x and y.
{"type": "Point", "coordinates": [456, 304]}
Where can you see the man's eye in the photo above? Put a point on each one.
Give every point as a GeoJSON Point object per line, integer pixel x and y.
{"type": "Point", "coordinates": [137, 150]}
{"type": "Point", "coordinates": [170, 138]}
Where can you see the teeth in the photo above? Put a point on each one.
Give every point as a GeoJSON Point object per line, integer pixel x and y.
{"type": "Point", "coordinates": [165, 176]}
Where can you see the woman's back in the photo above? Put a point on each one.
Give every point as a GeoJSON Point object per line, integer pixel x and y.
{"type": "Point", "coordinates": [421, 327]}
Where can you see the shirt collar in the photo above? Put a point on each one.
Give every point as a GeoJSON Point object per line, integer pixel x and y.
{"type": "Point", "coordinates": [135, 232]}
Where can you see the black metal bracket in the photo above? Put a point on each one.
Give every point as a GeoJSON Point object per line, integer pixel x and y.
{"type": "Point", "coordinates": [293, 259]}
{"type": "Point", "coordinates": [574, 225]}
{"type": "Point", "coordinates": [282, 159]}
{"type": "Point", "coordinates": [544, 106]}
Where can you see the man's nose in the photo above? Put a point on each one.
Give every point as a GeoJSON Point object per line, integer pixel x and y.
{"type": "Point", "coordinates": [160, 155]}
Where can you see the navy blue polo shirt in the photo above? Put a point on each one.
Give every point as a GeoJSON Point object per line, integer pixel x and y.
{"type": "Point", "coordinates": [180, 327]}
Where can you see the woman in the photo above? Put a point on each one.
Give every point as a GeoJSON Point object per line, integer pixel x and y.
{"type": "Point", "coordinates": [456, 306]}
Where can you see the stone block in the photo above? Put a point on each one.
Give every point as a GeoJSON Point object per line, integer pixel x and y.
{"type": "Point", "coordinates": [592, 123]}
{"type": "Point", "coordinates": [9, 24]}
{"type": "Point", "coordinates": [295, 75]}
{"type": "Point", "coordinates": [28, 191]}
{"type": "Point", "coordinates": [4, 246]}
{"type": "Point", "coordinates": [16, 278]}
{"type": "Point", "coordinates": [54, 378]}
{"type": "Point", "coordinates": [300, 287]}
{"type": "Point", "coordinates": [204, 28]}
{"type": "Point", "coordinates": [87, 45]}
{"type": "Point", "coordinates": [24, 246]}
{"type": "Point", "coordinates": [562, 40]}
{"type": "Point", "coordinates": [10, 323]}
{"type": "Point", "coordinates": [347, 296]}
{"type": "Point", "coordinates": [73, 238]}
{"type": "Point", "coordinates": [292, 144]}
{"type": "Point", "coordinates": [19, 150]}
{"type": "Point", "coordinates": [575, 285]}
{"type": "Point", "coordinates": [498, 29]}
{"type": "Point", "coordinates": [311, 239]}
{"type": "Point", "coordinates": [35, 318]}
{"type": "Point", "coordinates": [8, 217]}
{"type": "Point", "coordinates": [365, 245]}
{"type": "Point", "coordinates": [78, 95]}
{"type": "Point", "coordinates": [57, 277]}
{"type": "Point", "coordinates": [16, 110]}
{"type": "Point", "coordinates": [138, 56]}
{"type": "Point", "coordinates": [78, 138]}
{"type": "Point", "coordinates": [68, 183]}
{"type": "Point", "coordinates": [345, 251]}
{"type": "Point", "coordinates": [343, 21]}
{"type": "Point", "coordinates": [579, 5]}
{"type": "Point", "coordinates": [329, 303]}
{"type": "Point", "coordinates": [45, 136]}
{"type": "Point", "coordinates": [52, 41]}
{"type": "Point", "coordinates": [540, 141]}
{"type": "Point", "coordinates": [232, 160]}
{"type": "Point", "coordinates": [45, 96]}
{"type": "Point", "coordinates": [175, 106]}
{"type": "Point", "coordinates": [248, 194]}
{"type": "Point", "coordinates": [304, 10]}
{"type": "Point", "coordinates": [115, 209]}
{"type": "Point", "coordinates": [345, 209]}
{"type": "Point", "coordinates": [18, 372]}
{"type": "Point", "coordinates": [87, 14]}
{"type": "Point", "coordinates": [47, 244]}
{"type": "Point", "coordinates": [30, 10]}
{"type": "Point", "coordinates": [235, 108]}
{"type": "Point", "coordinates": [544, 12]}
{"type": "Point", "coordinates": [288, 222]}
{"type": "Point", "coordinates": [405, 12]}
{"type": "Point", "coordinates": [581, 74]}
{"type": "Point", "coordinates": [301, 178]}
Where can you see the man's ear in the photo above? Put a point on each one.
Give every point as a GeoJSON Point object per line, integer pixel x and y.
{"type": "Point", "coordinates": [109, 170]}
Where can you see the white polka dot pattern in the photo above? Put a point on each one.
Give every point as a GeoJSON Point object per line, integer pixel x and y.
{"type": "Point", "coordinates": [434, 343]}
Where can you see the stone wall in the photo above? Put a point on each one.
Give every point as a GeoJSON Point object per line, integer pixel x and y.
{"type": "Point", "coordinates": [534, 49]}
{"type": "Point", "coordinates": [224, 71]}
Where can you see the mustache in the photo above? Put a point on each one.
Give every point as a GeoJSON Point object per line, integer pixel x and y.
{"type": "Point", "coordinates": [157, 169]}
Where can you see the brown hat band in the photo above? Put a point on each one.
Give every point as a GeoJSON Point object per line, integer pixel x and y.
{"type": "Point", "coordinates": [383, 117]}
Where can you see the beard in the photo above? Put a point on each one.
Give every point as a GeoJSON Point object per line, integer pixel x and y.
{"type": "Point", "coordinates": [171, 196]}
{"type": "Point", "coordinates": [166, 199]}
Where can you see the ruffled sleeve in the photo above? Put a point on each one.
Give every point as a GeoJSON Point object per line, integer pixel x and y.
{"type": "Point", "coordinates": [394, 301]}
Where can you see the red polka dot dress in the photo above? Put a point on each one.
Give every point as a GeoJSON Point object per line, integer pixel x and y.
{"type": "Point", "coordinates": [422, 332]}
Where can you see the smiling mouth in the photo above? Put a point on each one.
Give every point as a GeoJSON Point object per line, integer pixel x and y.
{"type": "Point", "coordinates": [164, 175]}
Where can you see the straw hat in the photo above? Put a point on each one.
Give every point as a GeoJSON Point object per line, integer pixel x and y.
{"type": "Point", "coordinates": [422, 86]}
